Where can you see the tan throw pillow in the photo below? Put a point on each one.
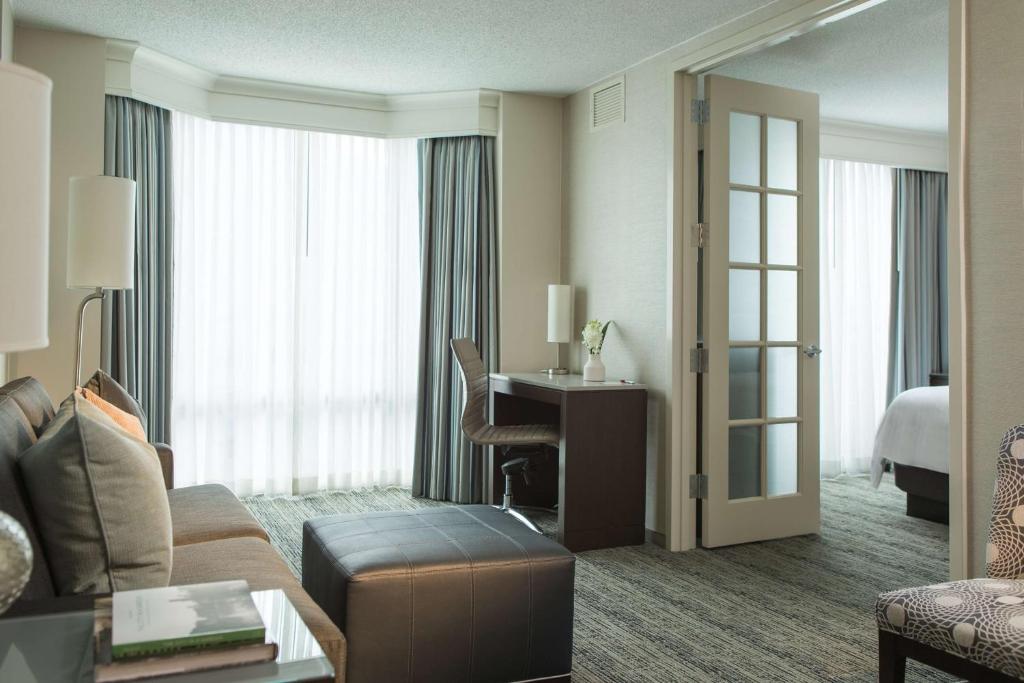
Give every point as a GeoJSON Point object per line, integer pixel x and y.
{"type": "Point", "coordinates": [99, 500]}
{"type": "Point", "coordinates": [107, 388]}
{"type": "Point", "coordinates": [126, 421]}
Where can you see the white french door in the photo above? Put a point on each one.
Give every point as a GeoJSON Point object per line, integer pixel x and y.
{"type": "Point", "coordinates": [760, 313]}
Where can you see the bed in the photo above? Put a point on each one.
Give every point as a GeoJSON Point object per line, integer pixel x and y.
{"type": "Point", "coordinates": [914, 437]}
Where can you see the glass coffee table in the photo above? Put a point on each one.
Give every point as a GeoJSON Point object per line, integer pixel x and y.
{"type": "Point", "coordinates": [52, 648]}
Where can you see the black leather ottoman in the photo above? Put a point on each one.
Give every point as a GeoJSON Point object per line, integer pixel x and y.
{"type": "Point", "coordinates": [442, 594]}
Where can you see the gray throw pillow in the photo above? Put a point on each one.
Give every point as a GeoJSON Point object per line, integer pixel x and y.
{"type": "Point", "coordinates": [99, 501]}
{"type": "Point", "coordinates": [107, 388]}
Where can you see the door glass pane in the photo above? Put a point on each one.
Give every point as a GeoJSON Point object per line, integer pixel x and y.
{"type": "Point", "coordinates": [782, 154]}
{"type": "Point", "coordinates": [744, 227]}
{"type": "Point", "coordinates": [744, 149]}
{"type": "Point", "coordinates": [782, 305]}
{"type": "Point", "coordinates": [782, 459]}
{"type": "Point", "coordinates": [782, 381]}
{"type": "Point", "coordinates": [744, 462]}
{"type": "Point", "coordinates": [744, 304]}
{"type": "Point", "coordinates": [744, 383]}
{"type": "Point", "coordinates": [782, 241]}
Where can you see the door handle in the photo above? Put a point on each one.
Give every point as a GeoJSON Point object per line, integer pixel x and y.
{"type": "Point", "coordinates": [812, 351]}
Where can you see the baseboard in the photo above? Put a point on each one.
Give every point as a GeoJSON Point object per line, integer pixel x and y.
{"type": "Point", "coordinates": [655, 537]}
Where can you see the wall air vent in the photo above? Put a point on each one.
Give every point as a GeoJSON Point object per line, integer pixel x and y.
{"type": "Point", "coordinates": [608, 103]}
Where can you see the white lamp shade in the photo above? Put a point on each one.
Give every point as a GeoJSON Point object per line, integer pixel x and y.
{"type": "Point", "coordinates": [101, 232]}
{"type": "Point", "coordinates": [24, 207]}
{"type": "Point", "coordinates": [560, 313]}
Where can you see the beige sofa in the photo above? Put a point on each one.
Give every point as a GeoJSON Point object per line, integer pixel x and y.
{"type": "Point", "coordinates": [215, 537]}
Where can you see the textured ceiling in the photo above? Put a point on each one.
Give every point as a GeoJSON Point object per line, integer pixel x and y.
{"type": "Point", "coordinates": [885, 65]}
{"type": "Point", "coordinates": [399, 46]}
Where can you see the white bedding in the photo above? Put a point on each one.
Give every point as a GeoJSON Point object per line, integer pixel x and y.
{"type": "Point", "coordinates": [914, 431]}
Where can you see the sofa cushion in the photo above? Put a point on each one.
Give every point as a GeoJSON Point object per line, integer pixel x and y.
{"type": "Point", "coordinates": [98, 497]}
{"type": "Point", "coordinates": [29, 394]}
{"type": "Point", "coordinates": [210, 512]}
{"type": "Point", "coordinates": [17, 435]}
{"type": "Point", "coordinates": [259, 564]}
{"type": "Point", "coordinates": [107, 388]}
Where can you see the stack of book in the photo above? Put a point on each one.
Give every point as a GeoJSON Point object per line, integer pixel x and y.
{"type": "Point", "coordinates": [181, 629]}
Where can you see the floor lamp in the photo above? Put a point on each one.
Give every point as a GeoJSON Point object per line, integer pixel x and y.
{"type": "Point", "coordinates": [24, 259]}
{"type": "Point", "coordinates": [101, 242]}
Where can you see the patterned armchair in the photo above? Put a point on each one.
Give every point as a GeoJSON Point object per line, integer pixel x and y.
{"type": "Point", "coordinates": [975, 628]}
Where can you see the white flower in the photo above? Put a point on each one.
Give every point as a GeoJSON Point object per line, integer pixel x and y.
{"type": "Point", "coordinates": [593, 335]}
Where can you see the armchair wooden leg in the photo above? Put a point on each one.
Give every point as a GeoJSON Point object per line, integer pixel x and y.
{"type": "Point", "coordinates": [892, 663]}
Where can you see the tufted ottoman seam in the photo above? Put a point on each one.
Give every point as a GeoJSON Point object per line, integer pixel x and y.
{"type": "Point", "coordinates": [529, 571]}
{"type": "Point", "coordinates": [472, 595]}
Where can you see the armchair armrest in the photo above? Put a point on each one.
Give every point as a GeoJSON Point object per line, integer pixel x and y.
{"type": "Point", "coordinates": [166, 455]}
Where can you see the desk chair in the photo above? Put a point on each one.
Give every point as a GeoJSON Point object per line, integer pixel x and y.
{"type": "Point", "coordinates": [528, 439]}
{"type": "Point", "coordinates": [972, 629]}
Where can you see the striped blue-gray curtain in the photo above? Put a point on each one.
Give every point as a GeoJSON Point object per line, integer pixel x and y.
{"type": "Point", "coordinates": [136, 349]}
{"type": "Point", "coordinates": [459, 272]}
{"type": "Point", "coordinates": [919, 318]}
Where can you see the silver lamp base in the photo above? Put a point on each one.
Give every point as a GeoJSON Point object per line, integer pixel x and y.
{"type": "Point", "coordinates": [557, 369]}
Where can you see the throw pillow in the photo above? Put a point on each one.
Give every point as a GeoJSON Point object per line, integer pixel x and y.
{"type": "Point", "coordinates": [99, 501]}
{"type": "Point", "coordinates": [126, 421]}
{"type": "Point", "coordinates": [107, 388]}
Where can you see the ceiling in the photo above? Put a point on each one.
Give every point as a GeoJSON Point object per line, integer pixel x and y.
{"type": "Point", "coordinates": [399, 46]}
{"type": "Point", "coordinates": [885, 65]}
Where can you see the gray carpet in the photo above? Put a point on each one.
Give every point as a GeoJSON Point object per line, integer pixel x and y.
{"type": "Point", "coordinates": [799, 609]}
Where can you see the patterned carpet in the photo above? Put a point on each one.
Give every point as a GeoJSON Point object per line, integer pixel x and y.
{"type": "Point", "coordinates": [796, 610]}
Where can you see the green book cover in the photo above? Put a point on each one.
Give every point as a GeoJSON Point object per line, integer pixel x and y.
{"type": "Point", "coordinates": [156, 621]}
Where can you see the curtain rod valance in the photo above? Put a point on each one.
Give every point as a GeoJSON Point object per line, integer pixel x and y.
{"type": "Point", "coordinates": [149, 76]}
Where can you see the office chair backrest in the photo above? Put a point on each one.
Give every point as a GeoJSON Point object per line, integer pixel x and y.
{"type": "Point", "coordinates": [474, 382]}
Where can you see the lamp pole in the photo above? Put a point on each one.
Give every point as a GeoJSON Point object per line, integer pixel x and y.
{"type": "Point", "coordinates": [98, 293]}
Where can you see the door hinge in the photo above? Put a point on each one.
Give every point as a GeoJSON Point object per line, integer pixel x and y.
{"type": "Point", "coordinates": [699, 486]}
{"type": "Point", "coordinates": [700, 111]}
{"type": "Point", "coordinates": [700, 235]}
{"type": "Point", "coordinates": [699, 360]}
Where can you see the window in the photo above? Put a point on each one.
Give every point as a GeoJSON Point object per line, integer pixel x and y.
{"type": "Point", "coordinates": [296, 308]}
{"type": "Point", "coordinates": [856, 257]}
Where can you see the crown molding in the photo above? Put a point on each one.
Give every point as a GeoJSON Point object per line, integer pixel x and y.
{"type": "Point", "coordinates": [900, 147]}
{"type": "Point", "coordinates": [133, 70]}
{"type": "Point", "coordinates": [770, 24]}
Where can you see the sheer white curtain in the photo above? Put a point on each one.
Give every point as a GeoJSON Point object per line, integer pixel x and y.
{"type": "Point", "coordinates": [856, 253]}
{"type": "Point", "coordinates": [296, 308]}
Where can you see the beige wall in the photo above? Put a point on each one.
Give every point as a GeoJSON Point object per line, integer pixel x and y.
{"type": "Point", "coordinates": [995, 246]}
{"type": "Point", "coordinates": [530, 225]}
{"type": "Point", "coordinates": [75, 63]}
{"type": "Point", "coordinates": [615, 246]}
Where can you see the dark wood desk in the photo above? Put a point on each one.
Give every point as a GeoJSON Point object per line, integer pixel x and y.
{"type": "Point", "coordinates": [598, 478]}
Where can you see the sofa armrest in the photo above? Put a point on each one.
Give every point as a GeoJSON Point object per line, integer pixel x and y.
{"type": "Point", "coordinates": [166, 455]}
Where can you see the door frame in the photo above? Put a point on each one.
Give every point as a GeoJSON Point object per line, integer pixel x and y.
{"type": "Point", "coordinates": [776, 22]}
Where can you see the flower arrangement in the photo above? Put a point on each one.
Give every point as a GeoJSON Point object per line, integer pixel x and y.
{"type": "Point", "coordinates": [593, 336]}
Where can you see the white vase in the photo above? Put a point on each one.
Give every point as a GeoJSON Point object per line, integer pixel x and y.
{"type": "Point", "coordinates": [593, 371]}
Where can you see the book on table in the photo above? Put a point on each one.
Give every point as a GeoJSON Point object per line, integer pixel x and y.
{"type": "Point", "coordinates": [160, 631]}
